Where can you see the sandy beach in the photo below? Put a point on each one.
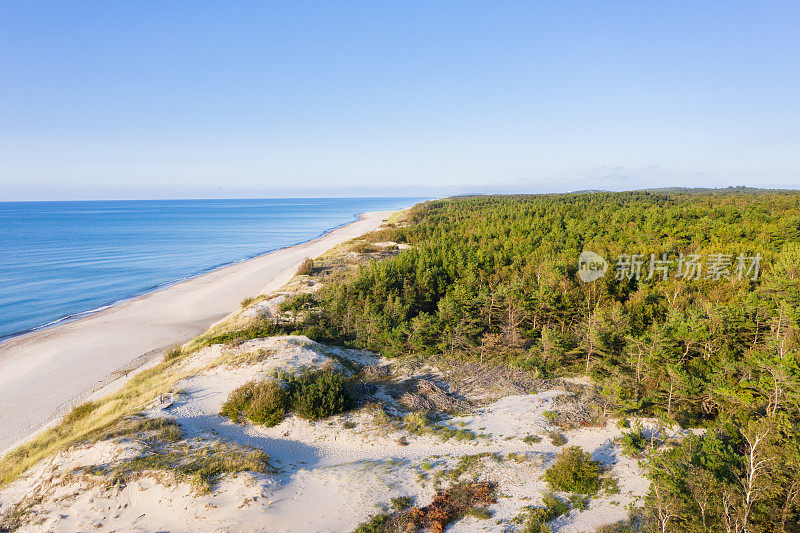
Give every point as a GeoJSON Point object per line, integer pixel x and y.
{"type": "Point", "coordinates": [44, 373]}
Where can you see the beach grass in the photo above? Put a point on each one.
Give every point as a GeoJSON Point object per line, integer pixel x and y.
{"type": "Point", "coordinates": [398, 216]}
{"type": "Point", "coordinates": [89, 422]}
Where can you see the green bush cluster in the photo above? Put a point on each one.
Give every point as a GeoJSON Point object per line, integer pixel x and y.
{"type": "Point", "coordinates": [532, 439]}
{"type": "Point", "coordinates": [401, 503]}
{"type": "Point", "coordinates": [318, 394]}
{"type": "Point", "coordinates": [574, 471]}
{"type": "Point", "coordinates": [268, 405]}
{"type": "Point", "coordinates": [634, 442]}
{"type": "Point", "coordinates": [557, 439]}
{"type": "Point", "coordinates": [313, 394]}
{"type": "Point", "coordinates": [419, 423]}
{"type": "Point", "coordinates": [202, 466]}
{"type": "Point", "coordinates": [263, 403]}
{"type": "Point", "coordinates": [611, 485]}
{"type": "Point", "coordinates": [416, 422]}
{"type": "Point", "coordinates": [377, 524]}
{"type": "Point", "coordinates": [579, 502]}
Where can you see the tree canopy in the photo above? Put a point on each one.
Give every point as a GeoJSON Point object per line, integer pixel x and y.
{"type": "Point", "coordinates": [495, 279]}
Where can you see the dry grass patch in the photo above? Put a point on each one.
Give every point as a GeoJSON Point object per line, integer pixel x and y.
{"type": "Point", "coordinates": [89, 420]}
{"type": "Point", "coordinates": [199, 463]}
{"type": "Point", "coordinates": [241, 358]}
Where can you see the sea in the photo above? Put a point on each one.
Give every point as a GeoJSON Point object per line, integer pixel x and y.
{"type": "Point", "coordinates": [62, 260]}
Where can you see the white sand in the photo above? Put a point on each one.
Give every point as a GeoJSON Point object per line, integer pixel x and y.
{"type": "Point", "coordinates": [44, 373]}
{"type": "Point", "coordinates": [332, 476]}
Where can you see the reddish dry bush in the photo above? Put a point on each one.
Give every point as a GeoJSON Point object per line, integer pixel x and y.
{"type": "Point", "coordinates": [449, 505]}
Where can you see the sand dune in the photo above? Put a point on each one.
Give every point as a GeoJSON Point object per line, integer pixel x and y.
{"type": "Point", "coordinates": [330, 475]}
{"type": "Point", "coordinates": [43, 373]}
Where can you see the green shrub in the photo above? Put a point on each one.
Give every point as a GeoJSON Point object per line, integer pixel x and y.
{"type": "Point", "coordinates": [173, 353]}
{"type": "Point", "coordinates": [553, 506]}
{"type": "Point", "coordinates": [201, 466]}
{"type": "Point", "coordinates": [297, 306]}
{"type": "Point", "coordinates": [579, 502]}
{"type": "Point", "coordinates": [306, 267]}
{"type": "Point", "coordinates": [363, 248]}
{"type": "Point", "coordinates": [263, 403]}
{"type": "Point", "coordinates": [401, 503]}
{"type": "Point", "coordinates": [636, 522]}
{"type": "Point", "coordinates": [377, 524]}
{"type": "Point", "coordinates": [535, 525]}
{"type": "Point", "coordinates": [574, 471]}
{"type": "Point", "coordinates": [318, 394]}
{"type": "Point", "coordinates": [557, 439]}
{"type": "Point", "coordinates": [171, 432]}
{"type": "Point", "coordinates": [268, 404]}
{"type": "Point", "coordinates": [480, 513]}
{"type": "Point", "coordinates": [539, 516]}
{"type": "Point", "coordinates": [416, 422]}
{"type": "Point", "coordinates": [550, 416]}
{"type": "Point", "coordinates": [634, 442]}
{"type": "Point", "coordinates": [532, 439]}
{"type": "Point", "coordinates": [238, 402]}
{"type": "Point", "coordinates": [623, 526]}
{"type": "Point", "coordinates": [419, 423]}
{"type": "Point", "coordinates": [458, 434]}
{"type": "Point", "coordinates": [611, 485]}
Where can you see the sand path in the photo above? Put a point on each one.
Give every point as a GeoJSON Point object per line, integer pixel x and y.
{"type": "Point", "coordinates": [43, 373]}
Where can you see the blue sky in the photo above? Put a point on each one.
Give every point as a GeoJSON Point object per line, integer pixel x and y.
{"type": "Point", "coordinates": [204, 99]}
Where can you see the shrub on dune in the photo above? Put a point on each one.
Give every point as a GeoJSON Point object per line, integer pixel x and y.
{"type": "Point", "coordinates": [306, 267]}
{"type": "Point", "coordinates": [262, 403]}
{"type": "Point", "coordinates": [238, 402]}
{"type": "Point", "coordinates": [574, 471]}
{"type": "Point", "coordinates": [312, 395]}
{"type": "Point", "coordinates": [268, 404]}
{"type": "Point", "coordinates": [319, 394]}
{"type": "Point", "coordinates": [416, 422]}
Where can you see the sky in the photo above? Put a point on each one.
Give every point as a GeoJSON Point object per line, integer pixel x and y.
{"type": "Point", "coordinates": [112, 99]}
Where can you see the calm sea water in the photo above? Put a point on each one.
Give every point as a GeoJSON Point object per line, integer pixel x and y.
{"type": "Point", "coordinates": [61, 259]}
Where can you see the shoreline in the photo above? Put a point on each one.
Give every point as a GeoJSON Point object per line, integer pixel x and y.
{"type": "Point", "coordinates": [46, 371]}
{"type": "Point", "coordinates": [161, 286]}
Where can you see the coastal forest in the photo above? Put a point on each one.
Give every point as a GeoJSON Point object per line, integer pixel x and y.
{"type": "Point", "coordinates": [694, 321]}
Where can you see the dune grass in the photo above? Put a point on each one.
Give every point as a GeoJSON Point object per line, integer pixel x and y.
{"type": "Point", "coordinates": [88, 422]}
{"type": "Point", "coordinates": [200, 464]}
{"type": "Point", "coordinates": [398, 216]}
{"type": "Point", "coordinates": [306, 268]}
{"type": "Point", "coordinates": [79, 412]}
